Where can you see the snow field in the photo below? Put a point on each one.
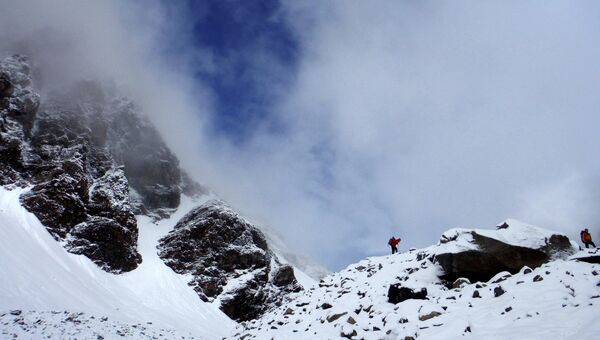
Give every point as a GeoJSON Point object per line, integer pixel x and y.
{"type": "Point", "coordinates": [38, 275]}
{"type": "Point", "coordinates": [564, 304]}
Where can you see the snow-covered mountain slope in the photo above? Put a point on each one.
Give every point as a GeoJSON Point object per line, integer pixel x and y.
{"type": "Point", "coordinates": [38, 276]}
{"type": "Point", "coordinates": [558, 300]}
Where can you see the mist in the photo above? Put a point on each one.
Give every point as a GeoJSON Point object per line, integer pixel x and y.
{"type": "Point", "coordinates": [400, 118]}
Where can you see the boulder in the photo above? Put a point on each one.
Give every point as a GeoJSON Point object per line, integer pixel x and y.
{"type": "Point", "coordinates": [397, 293]}
{"type": "Point", "coordinates": [109, 244]}
{"type": "Point", "coordinates": [480, 254]}
{"type": "Point", "coordinates": [215, 245]}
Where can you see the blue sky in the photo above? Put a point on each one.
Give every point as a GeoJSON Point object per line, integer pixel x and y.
{"type": "Point", "coordinates": [233, 32]}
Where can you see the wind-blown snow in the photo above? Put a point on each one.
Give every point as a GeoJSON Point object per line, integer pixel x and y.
{"type": "Point", "coordinates": [37, 274]}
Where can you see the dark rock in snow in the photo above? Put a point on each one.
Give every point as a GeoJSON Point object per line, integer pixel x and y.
{"type": "Point", "coordinates": [284, 275]}
{"type": "Point", "coordinates": [429, 316]}
{"type": "Point", "coordinates": [476, 294]}
{"type": "Point", "coordinates": [498, 291]}
{"type": "Point", "coordinates": [491, 256]}
{"type": "Point", "coordinates": [215, 245]}
{"type": "Point", "coordinates": [397, 293]}
{"type": "Point", "coordinates": [333, 317]}
{"type": "Point", "coordinates": [538, 278]}
{"type": "Point", "coordinates": [102, 240]}
{"type": "Point", "coordinates": [460, 282]}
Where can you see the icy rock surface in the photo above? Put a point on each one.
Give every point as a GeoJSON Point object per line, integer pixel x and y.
{"type": "Point", "coordinates": [228, 260]}
{"type": "Point", "coordinates": [91, 161]}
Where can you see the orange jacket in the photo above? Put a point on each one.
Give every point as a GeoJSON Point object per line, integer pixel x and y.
{"type": "Point", "coordinates": [586, 236]}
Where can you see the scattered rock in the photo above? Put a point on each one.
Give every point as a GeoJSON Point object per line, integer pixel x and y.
{"type": "Point", "coordinates": [335, 316]}
{"type": "Point", "coordinates": [351, 320]}
{"type": "Point", "coordinates": [476, 294]}
{"type": "Point", "coordinates": [460, 282]}
{"type": "Point", "coordinates": [431, 315]}
{"type": "Point", "coordinates": [498, 291]}
{"type": "Point", "coordinates": [348, 332]}
{"type": "Point", "coordinates": [326, 305]}
{"type": "Point", "coordinates": [538, 278]}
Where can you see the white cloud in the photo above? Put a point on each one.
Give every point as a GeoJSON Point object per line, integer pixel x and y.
{"type": "Point", "coordinates": [404, 118]}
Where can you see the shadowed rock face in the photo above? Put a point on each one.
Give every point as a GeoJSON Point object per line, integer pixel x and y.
{"type": "Point", "coordinates": [81, 152]}
{"type": "Point", "coordinates": [217, 247]}
{"type": "Point", "coordinates": [492, 256]}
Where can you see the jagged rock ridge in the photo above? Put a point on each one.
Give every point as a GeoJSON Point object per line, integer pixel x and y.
{"type": "Point", "coordinates": [229, 260]}
{"type": "Point", "coordinates": [92, 162]}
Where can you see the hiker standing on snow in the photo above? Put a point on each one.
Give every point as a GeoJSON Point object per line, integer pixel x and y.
{"type": "Point", "coordinates": [586, 238]}
{"type": "Point", "coordinates": [393, 242]}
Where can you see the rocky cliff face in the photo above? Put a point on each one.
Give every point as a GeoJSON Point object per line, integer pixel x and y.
{"type": "Point", "coordinates": [228, 260]}
{"type": "Point", "coordinates": [92, 162]}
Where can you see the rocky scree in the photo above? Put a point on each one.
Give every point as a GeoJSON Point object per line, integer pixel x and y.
{"type": "Point", "coordinates": [228, 260]}
{"type": "Point", "coordinates": [81, 153]}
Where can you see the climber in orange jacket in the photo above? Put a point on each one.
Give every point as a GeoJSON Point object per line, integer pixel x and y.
{"type": "Point", "coordinates": [393, 242]}
{"type": "Point", "coordinates": [586, 238]}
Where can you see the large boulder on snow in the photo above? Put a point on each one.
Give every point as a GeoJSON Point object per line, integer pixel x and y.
{"type": "Point", "coordinates": [229, 260]}
{"type": "Point", "coordinates": [479, 254]}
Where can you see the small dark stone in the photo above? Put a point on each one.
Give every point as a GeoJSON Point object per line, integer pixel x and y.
{"type": "Point", "coordinates": [429, 316]}
{"type": "Point", "coordinates": [508, 309]}
{"type": "Point", "coordinates": [476, 294]}
{"type": "Point", "coordinates": [498, 291]}
{"type": "Point", "coordinates": [538, 278]}
{"type": "Point", "coordinates": [336, 316]}
{"type": "Point", "coordinates": [348, 335]}
{"type": "Point", "coordinates": [326, 305]}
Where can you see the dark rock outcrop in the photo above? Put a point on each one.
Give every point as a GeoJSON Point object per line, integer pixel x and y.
{"type": "Point", "coordinates": [489, 256]}
{"type": "Point", "coordinates": [216, 246]}
{"type": "Point", "coordinates": [397, 293]}
{"type": "Point", "coordinates": [92, 162]}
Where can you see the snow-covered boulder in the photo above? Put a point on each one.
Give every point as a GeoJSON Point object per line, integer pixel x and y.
{"type": "Point", "coordinates": [479, 254]}
{"type": "Point", "coordinates": [229, 261]}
